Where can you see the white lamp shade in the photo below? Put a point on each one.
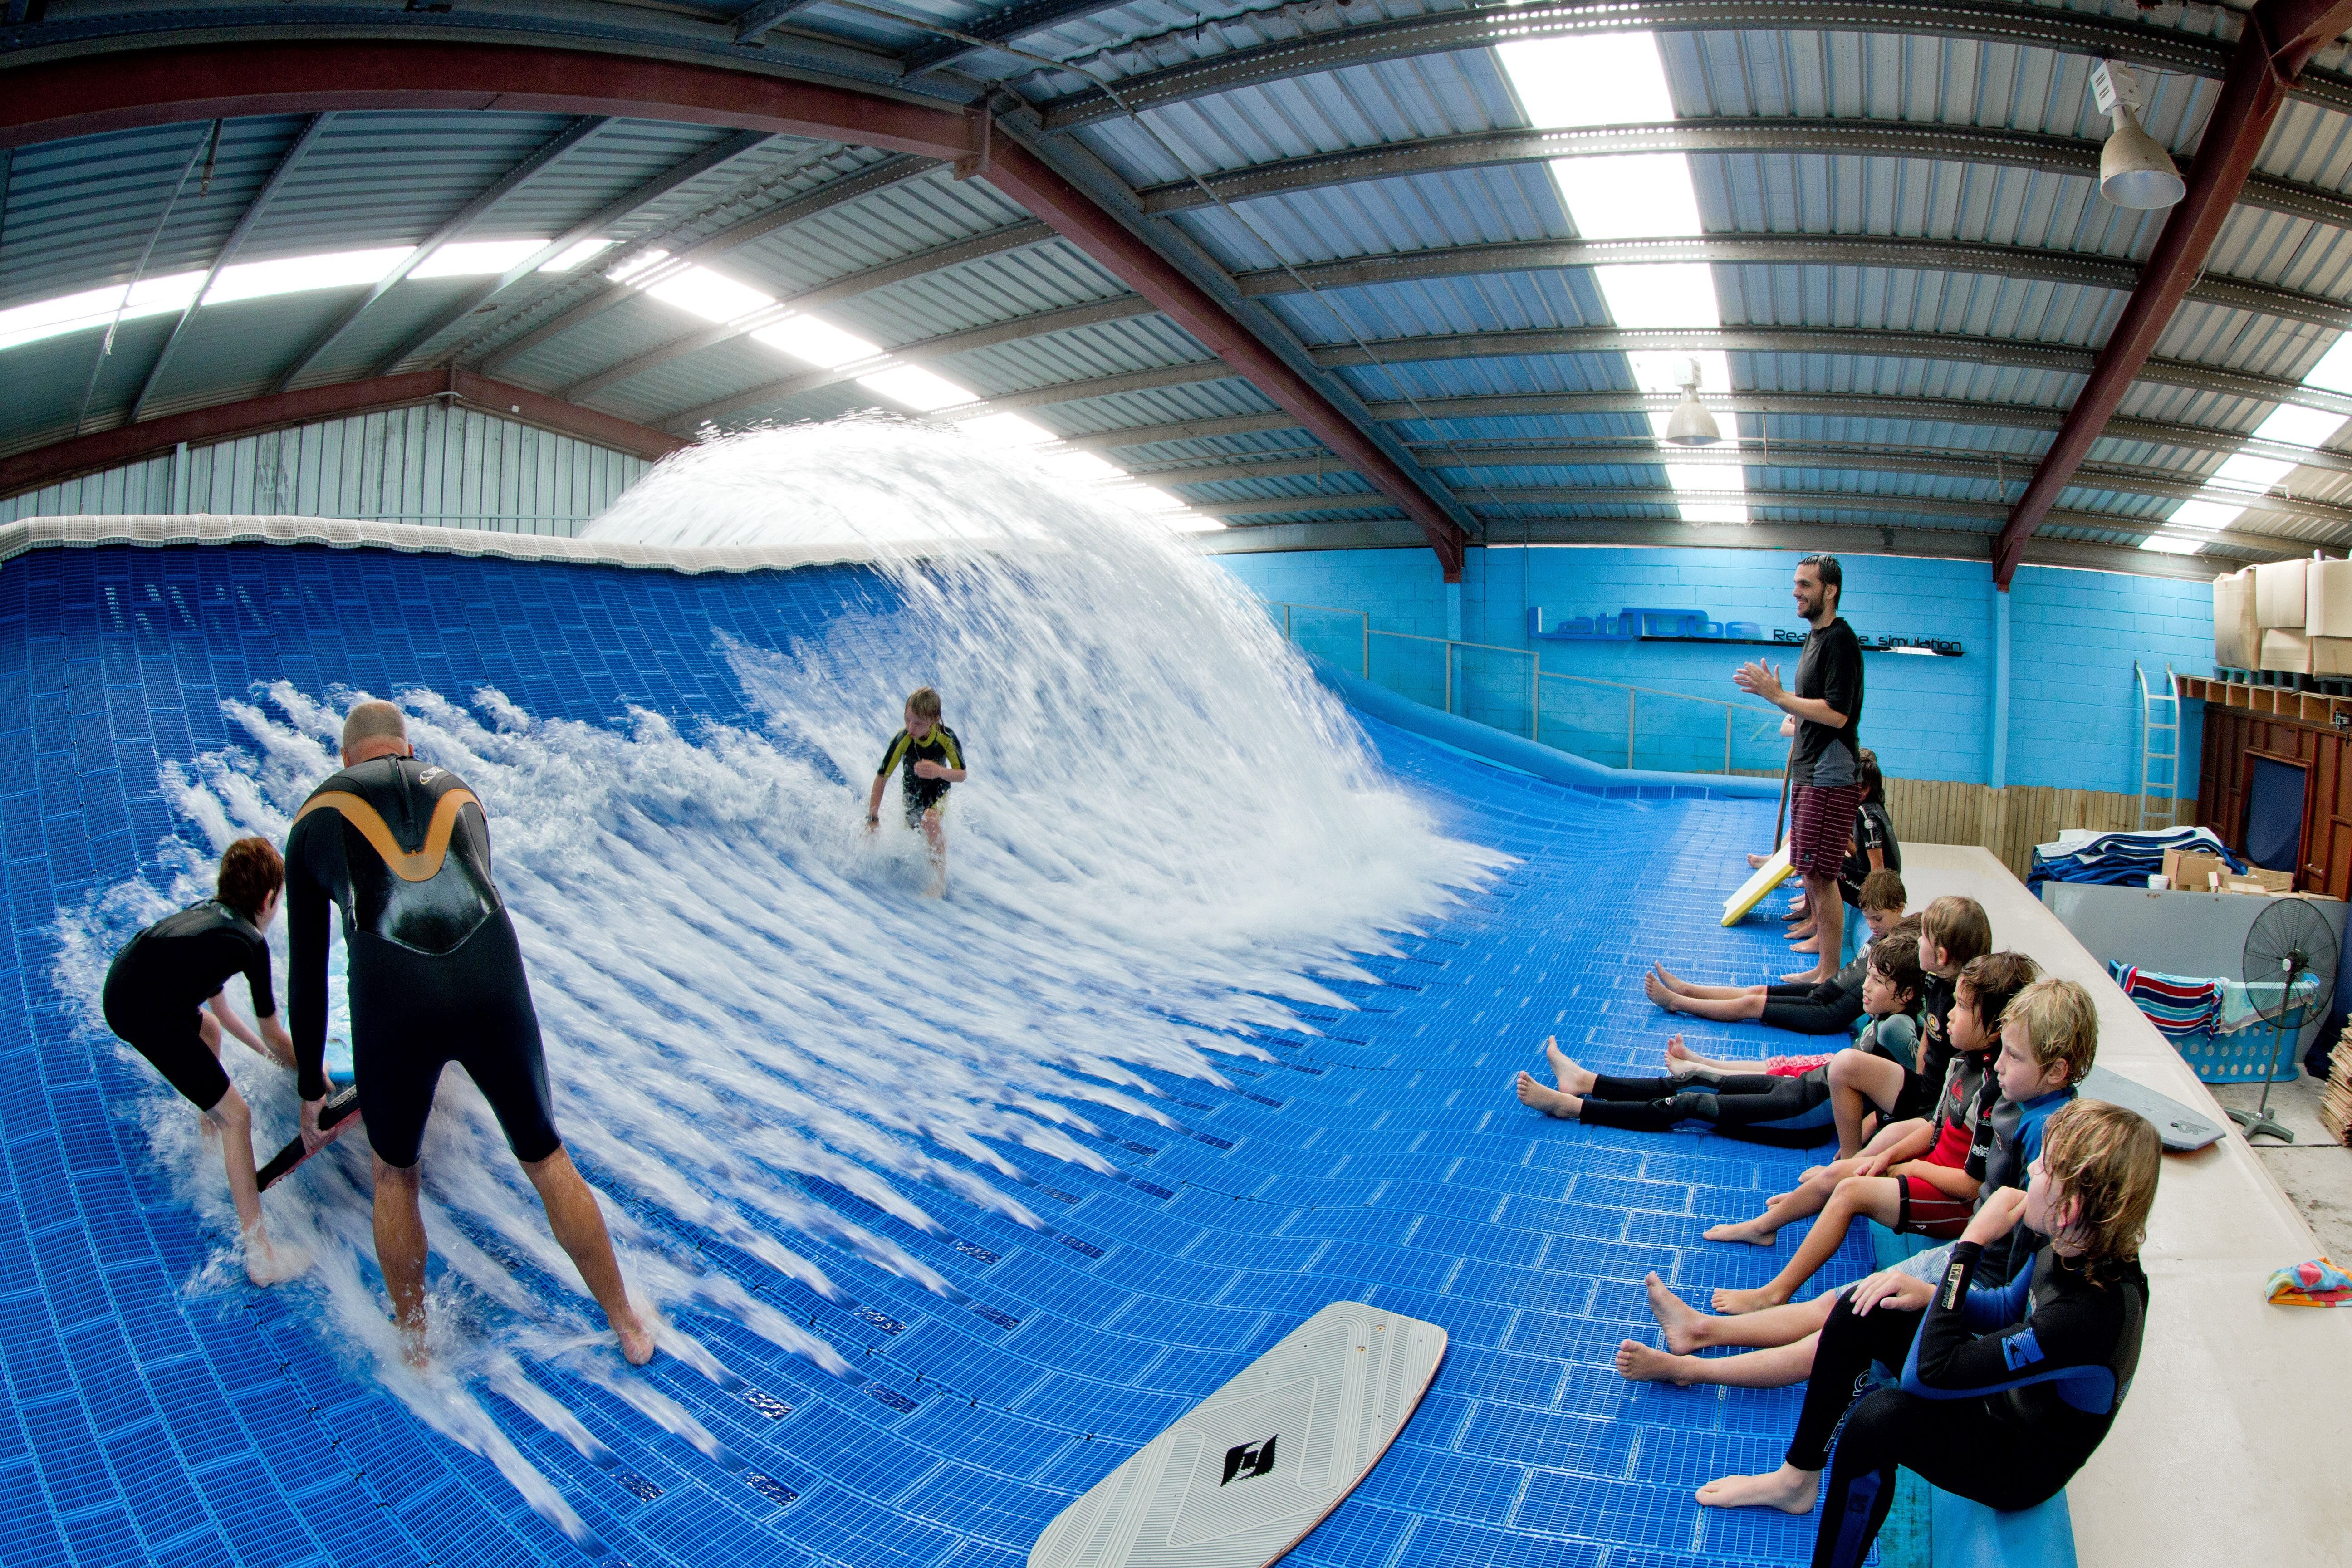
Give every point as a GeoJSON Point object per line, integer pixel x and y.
{"type": "Point", "coordinates": [1691, 425]}
{"type": "Point", "coordinates": [2134, 171]}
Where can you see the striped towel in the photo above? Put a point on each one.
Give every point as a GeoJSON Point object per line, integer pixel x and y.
{"type": "Point", "coordinates": [2176, 1004]}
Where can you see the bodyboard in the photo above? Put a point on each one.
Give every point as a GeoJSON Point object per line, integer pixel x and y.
{"type": "Point", "coordinates": [1768, 876]}
{"type": "Point", "coordinates": [2181, 1129]}
{"type": "Point", "coordinates": [338, 1108]}
{"type": "Point", "coordinates": [1241, 1477]}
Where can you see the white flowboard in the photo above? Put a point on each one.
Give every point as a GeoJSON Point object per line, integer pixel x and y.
{"type": "Point", "coordinates": [1242, 1476]}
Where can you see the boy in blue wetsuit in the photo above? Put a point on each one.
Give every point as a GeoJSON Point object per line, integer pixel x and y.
{"type": "Point", "coordinates": [931, 759]}
{"type": "Point", "coordinates": [2006, 1390]}
{"type": "Point", "coordinates": [2049, 1040]}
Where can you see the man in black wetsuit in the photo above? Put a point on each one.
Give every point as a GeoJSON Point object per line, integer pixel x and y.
{"type": "Point", "coordinates": [403, 850]}
{"type": "Point", "coordinates": [156, 992]}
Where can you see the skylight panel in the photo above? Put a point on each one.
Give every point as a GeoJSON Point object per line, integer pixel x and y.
{"type": "Point", "coordinates": [477, 259]}
{"type": "Point", "coordinates": [1639, 196]}
{"type": "Point", "coordinates": [1615, 79]}
{"type": "Point", "coordinates": [585, 251]}
{"type": "Point", "coordinates": [817, 341]}
{"type": "Point", "coordinates": [2205, 513]}
{"type": "Point", "coordinates": [41, 318]}
{"type": "Point", "coordinates": [2171, 544]}
{"type": "Point", "coordinates": [637, 266]}
{"type": "Point", "coordinates": [1675, 294]}
{"type": "Point", "coordinates": [917, 388]}
{"type": "Point", "coordinates": [304, 274]}
{"type": "Point", "coordinates": [2334, 371]}
{"type": "Point", "coordinates": [1008, 430]}
{"type": "Point", "coordinates": [2245, 472]}
{"type": "Point", "coordinates": [2295, 426]}
{"type": "Point", "coordinates": [713, 296]}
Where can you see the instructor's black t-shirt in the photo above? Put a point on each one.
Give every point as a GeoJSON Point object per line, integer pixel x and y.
{"type": "Point", "coordinates": [180, 962]}
{"type": "Point", "coordinates": [1830, 669]}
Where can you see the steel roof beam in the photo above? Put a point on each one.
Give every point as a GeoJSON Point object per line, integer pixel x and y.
{"type": "Point", "coordinates": [1480, 26]}
{"type": "Point", "coordinates": [1001, 27]}
{"type": "Point", "coordinates": [1019, 329]}
{"type": "Point", "coordinates": [1183, 430]}
{"type": "Point", "coordinates": [1785, 250]}
{"type": "Point", "coordinates": [2275, 38]}
{"type": "Point", "coordinates": [62, 460]}
{"type": "Point", "coordinates": [287, 160]}
{"type": "Point", "coordinates": [2005, 352]}
{"type": "Point", "coordinates": [607, 294]}
{"type": "Point", "coordinates": [1818, 138]}
{"type": "Point", "coordinates": [1012, 237]}
{"type": "Point", "coordinates": [612, 214]}
{"type": "Point", "coordinates": [1193, 373]}
{"type": "Point", "coordinates": [458, 221]}
{"type": "Point", "coordinates": [752, 25]}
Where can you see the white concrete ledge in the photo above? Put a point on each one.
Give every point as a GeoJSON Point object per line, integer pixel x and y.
{"type": "Point", "coordinates": [2235, 1444]}
{"type": "Point", "coordinates": [84, 532]}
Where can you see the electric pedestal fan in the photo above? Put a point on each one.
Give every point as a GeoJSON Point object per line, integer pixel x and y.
{"type": "Point", "coordinates": [2290, 971]}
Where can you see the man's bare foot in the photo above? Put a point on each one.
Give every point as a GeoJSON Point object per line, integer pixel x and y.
{"type": "Point", "coordinates": [413, 1348]}
{"type": "Point", "coordinates": [1639, 1363]}
{"type": "Point", "coordinates": [1752, 1231]}
{"type": "Point", "coordinates": [1756, 862]}
{"type": "Point", "coordinates": [1787, 1489]}
{"type": "Point", "coordinates": [1731, 1303]}
{"type": "Point", "coordinates": [1685, 1327]}
{"type": "Point", "coordinates": [636, 1335]}
{"type": "Point", "coordinates": [1551, 1101]}
{"type": "Point", "coordinates": [1810, 944]}
{"type": "Point", "coordinates": [1665, 995]}
{"type": "Point", "coordinates": [1808, 977]}
{"type": "Point", "coordinates": [1566, 1073]}
{"type": "Point", "coordinates": [268, 1265]}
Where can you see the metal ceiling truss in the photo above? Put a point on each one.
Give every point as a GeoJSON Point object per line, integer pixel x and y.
{"type": "Point", "coordinates": [1002, 25]}
{"type": "Point", "coordinates": [2276, 38]}
{"type": "Point", "coordinates": [1183, 430]}
{"type": "Point", "coordinates": [605, 294]}
{"type": "Point", "coordinates": [615, 213]}
{"type": "Point", "coordinates": [1814, 138]}
{"type": "Point", "coordinates": [1193, 373]}
{"type": "Point", "coordinates": [1477, 26]}
{"type": "Point", "coordinates": [457, 223]}
{"type": "Point", "coordinates": [1019, 330]}
{"type": "Point", "coordinates": [1784, 250]}
{"type": "Point", "coordinates": [1012, 237]}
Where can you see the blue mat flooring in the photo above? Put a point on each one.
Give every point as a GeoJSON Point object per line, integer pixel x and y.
{"type": "Point", "coordinates": [1384, 1159]}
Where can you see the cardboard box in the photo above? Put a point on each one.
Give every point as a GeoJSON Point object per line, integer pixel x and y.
{"type": "Point", "coordinates": [2331, 656]}
{"type": "Point", "coordinates": [2237, 641]}
{"type": "Point", "coordinates": [2328, 599]}
{"type": "Point", "coordinates": [2287, 652]}
{"type": "Point", "coordinates": [2280, 595]}
{"type": "Point", "coordinates": [2190, 871]}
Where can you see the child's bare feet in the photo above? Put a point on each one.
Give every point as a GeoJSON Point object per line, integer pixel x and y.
{"type": "Point", "coordinates": [1684, 1326]}
{"type": "Point", "coordinates": [635, 1334]}
{"type": "Point", "coordinates": [1680, 1060]}
{"type": "Point", "coordinates": [1566, 1073]}
{"type": "Point", "coordinates": [1664, 994]}
{"type": "Point", "coordinates": [1640, 1363]}
{"type": "Point", "coordinates": [1755, 1232]}
{"type": "Point", "coordinates": [1551, 1101]}
{"type": "Point", "coordinates": [1787, 1489]}
{"type": "Point", "coordinates": [1730, 1303]}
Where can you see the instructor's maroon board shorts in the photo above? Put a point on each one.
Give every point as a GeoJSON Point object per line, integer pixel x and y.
{"type": "Point", "coordinates": [1823, 825]}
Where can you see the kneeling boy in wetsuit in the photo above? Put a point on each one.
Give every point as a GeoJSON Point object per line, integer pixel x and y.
{"type": "Point", "coordinates": [154, 995]}
{"type": "Point", "coordinates": [1790, 1111]}
{"type": "Point", "coordinates": [1918, 1176]}
{"type": "Point", "coordinates": [403, 850]}
{"type": "Point", "coordinates": [932, 759]}
{"type": "Point", "coordinates": [2006, 1390]}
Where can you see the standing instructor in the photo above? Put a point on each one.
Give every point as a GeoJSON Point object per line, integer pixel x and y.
{"type": "Point", "coordinates": [1825, 762]}
{"type": "Point", "coordinates": [403, 850]}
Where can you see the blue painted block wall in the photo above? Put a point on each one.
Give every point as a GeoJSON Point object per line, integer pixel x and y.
{"type": "Point", "coordinates": [2073, 716]}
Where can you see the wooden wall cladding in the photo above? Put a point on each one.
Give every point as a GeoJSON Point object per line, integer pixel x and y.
{"type": "Point", "coordinates": [2242, 722]}
{"type": "Point", "coordinates": [2010, 822]}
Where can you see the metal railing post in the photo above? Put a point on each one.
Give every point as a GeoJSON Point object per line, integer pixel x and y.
{"type": "Point", "coordinates": [1535, 695]}
{"type": "Point", "coordinates": [1727, 741]}
{"type": "Point", "coordinates": [1449, 677]}
{"type": "Point", "coordinates": [1368, 643]}
{"type": "Point", "coordinates": [1286, 624]}
{"type": "Point", "coordinates": [1630, 697]}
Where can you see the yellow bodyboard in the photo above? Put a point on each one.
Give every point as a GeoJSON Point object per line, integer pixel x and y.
{"type": "Point", "coordinates": [1768, 876]}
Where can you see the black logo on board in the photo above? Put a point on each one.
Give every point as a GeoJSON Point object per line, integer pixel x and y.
{"type": "Point", "coordinates": [1246, 1459]}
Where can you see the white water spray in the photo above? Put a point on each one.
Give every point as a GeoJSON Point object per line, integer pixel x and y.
{"type": "Point", "coordinates": [1168, 828]}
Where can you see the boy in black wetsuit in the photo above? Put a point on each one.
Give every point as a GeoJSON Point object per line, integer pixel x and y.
{"type": "Point", "coordinates": [155, 994]}
{"type": "Point", "coordinates": [2006, 1390]}
{"type": "Point", "coordinates": [931, 759]}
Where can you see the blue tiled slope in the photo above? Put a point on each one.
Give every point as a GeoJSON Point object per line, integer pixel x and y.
{"type": "Point", "coordinates": [1384, 1159]}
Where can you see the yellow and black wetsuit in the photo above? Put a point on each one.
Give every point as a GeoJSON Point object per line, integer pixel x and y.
{"type": "Point", "coordinates": [919, 795]}
{"type": "Point", "coordinates": [403, 850]}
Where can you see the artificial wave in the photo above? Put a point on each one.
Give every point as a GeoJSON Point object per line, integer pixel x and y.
{"type": "Point", "coordinates": [1170, 831]}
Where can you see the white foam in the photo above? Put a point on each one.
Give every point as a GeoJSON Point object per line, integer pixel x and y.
{"type": "Point", "coordinates": [1166, 829]}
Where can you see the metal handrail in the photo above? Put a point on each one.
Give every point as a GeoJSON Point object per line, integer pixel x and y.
{"type": "Point", "coordinates": [1536, 676]}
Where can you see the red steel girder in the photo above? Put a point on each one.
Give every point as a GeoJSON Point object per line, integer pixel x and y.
{"type": "Point", "coordinates": [2279, 37]}
{"type": "Point", "coordinates": [84, 95]}
{"type": "Point", "coordinates": [68, 459]}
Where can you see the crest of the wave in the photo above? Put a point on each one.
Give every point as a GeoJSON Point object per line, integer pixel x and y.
{"type": "Point", "coordinates": [1169, 828]}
